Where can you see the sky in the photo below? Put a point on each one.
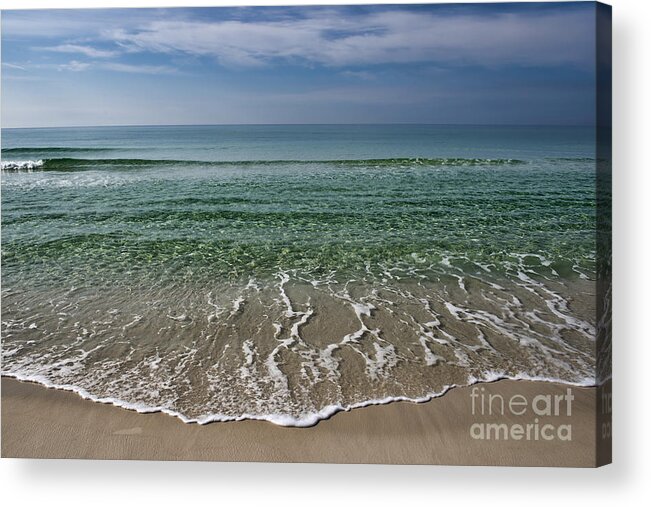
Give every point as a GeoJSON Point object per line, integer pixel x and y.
{"type": "Point", "coordinates": [450, 64]}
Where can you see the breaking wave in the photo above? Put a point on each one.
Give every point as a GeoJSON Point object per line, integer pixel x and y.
{"type": "Point", "coordinates": [80, 164]}
{"type": "Point", "coordinates": [22, 165]}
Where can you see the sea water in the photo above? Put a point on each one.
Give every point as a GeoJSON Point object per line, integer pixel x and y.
{"type": "Point", "coordinates": [285, 272]}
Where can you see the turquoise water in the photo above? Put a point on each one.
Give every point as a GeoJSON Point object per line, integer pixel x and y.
{"type": "Point", "coordinates": [343, 264]}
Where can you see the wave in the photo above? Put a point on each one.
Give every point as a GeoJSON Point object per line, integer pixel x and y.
{"type": "Point", "coordinates": [279, 419]}
{"type": "Point", "coordinates": [22, 165]}
{"type": "Point", "coordinates": [279, 372]}
{"type": "Point", "coordinates": [80, 164]}
{"type": "Point", "coordinates": [573, 159]}
{"type": "Point", "coordinates": [53, 149]}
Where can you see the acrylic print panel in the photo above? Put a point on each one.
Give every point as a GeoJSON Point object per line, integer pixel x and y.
{"type": "Point", "coordinates": [375, 234]}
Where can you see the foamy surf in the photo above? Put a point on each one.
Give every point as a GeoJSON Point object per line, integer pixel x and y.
{"type": "Point", "coordinates": [293, 352]}
{"type": "Point", "coordinates": [282, 419]}
{"type": "Point", "coordinates": [21, 165]}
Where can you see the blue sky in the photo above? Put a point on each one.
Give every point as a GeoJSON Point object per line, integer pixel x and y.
{"type": "Point", "coordinates": [463, 64]}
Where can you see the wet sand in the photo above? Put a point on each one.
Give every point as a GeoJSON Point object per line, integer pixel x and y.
{"type": "Point", "coordinates": [46, 423]}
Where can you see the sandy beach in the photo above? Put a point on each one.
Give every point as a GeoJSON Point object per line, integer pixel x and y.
{"type": "Point", "coordinates": [46, 423]}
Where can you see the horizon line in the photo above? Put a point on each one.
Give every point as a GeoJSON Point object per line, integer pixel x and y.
{"type": "Point", "coordinates": [306, 124]}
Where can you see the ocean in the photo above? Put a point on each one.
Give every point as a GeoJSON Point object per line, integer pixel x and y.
{"type": "Point", "coordinates": [287, 272]}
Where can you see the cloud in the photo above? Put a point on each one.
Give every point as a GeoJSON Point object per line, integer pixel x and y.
{"type": "Point", "coordinates": [84, 50]}
{"type": "Point", "coordinates": [43, 24]}
{"type": "Point", "coordinates": [464, 64]}
{"type": "Point", "coordinates": [335, 39]}
{"type": "Point", "coordinates": [74, 66]}
{"type": "Point", "coordinates": [13, 66]}
{"type": "Point", "coordinates": [138, 69]}
{"type": "Point", "coordinates": [381, 95]}
{"type": "Point", "coordinates": [359, 74]}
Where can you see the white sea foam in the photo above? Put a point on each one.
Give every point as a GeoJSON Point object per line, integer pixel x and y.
{"type": "Point", "coordinates": [236, 305]}
{"type": "Point", "coordinates": [305, 420]}
{"type": "Point", "coordinates": [21, 165]}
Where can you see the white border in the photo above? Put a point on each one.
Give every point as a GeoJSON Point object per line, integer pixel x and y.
{"type": "Point", "coordinates": [100, 483]}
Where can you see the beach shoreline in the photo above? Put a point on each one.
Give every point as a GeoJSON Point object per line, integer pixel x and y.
{"type": "Point", "coordinates": [41, 422]}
